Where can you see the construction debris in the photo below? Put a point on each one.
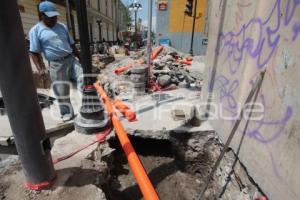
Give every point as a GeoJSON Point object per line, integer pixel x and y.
{"type": "Point", "coordinates": [169, 67]}
{"type": "Point", "coordinates": [177, 161]}
{"type": "Point", "coordinates": [99, 61]}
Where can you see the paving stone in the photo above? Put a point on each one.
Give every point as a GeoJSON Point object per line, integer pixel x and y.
{"type": "Point", "coordinates": [139, 69]}
{"type": "Point", "coordinates": [164, 80]}
{"type": "Point", "coordinates": [138, 78]}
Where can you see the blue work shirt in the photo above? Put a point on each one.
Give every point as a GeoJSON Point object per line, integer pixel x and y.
{"type": "Point", "coordinates": [55, 43]}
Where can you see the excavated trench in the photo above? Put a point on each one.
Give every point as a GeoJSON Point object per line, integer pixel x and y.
{"type": "Point", "coordinates": [177, 168]}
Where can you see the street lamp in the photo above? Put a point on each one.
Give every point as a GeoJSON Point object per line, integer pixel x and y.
{"type": "Point", "coordinates": [92, 117]}
{"type": "Point", "coordinates": [193, 31]}
{"type": "Point", "coordinates": [135, 6]}
{"type": "Point", "coordinates": [99, 22]}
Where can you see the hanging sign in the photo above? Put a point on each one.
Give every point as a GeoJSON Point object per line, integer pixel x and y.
{"type": "Point", "coordinates": [162, 5]}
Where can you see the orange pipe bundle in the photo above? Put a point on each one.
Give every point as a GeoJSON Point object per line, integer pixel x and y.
{"type": "Point", "coordinates": [128, 66]}
{"type": "Point", "coordinates": [186, 62]}
{"type": "Point", "coordinates": [156, 52]}
{"type": "Point", "coordinates": [122, 69]}
{"type": "Point", "coordinates": [189, 58]}
{"type": "Point", "coordinates": [134, 162]}
{"type": "Point", "coordinates": [141, 61]}
{"type": "Point", "coordinates": [125, 110]}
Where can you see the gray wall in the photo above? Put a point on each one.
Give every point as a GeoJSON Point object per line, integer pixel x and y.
{"type": "Point", "coordinates": [259, 35]}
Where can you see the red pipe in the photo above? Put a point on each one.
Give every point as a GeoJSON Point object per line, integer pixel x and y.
{"type": "Point", "coordinates": [125, 110]}
{"type": "Point", "coordinates": [156, 52]}
{"type": "Point", "coordinates": [128, 66]}
{"type": "Point", "coordinates": [134, 162]}
{"type": "Point", "coordinates": [141, 61]}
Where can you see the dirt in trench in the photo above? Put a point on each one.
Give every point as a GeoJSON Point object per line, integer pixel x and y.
{"type": "Point", "coordinates": [3, 188]}
{"type": "Point", "coordinates": [4, 181]}
{"type": "Point", "coordinates": [177, 168]}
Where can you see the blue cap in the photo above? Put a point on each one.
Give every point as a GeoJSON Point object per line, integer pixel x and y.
{"type": "Point", "coordinates": [48, 8]}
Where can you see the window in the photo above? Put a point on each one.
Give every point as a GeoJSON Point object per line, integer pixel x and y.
{"type": "Point", "coordinates": [106, 8]}
{"type": "Point", "coordinates": [99, 5]}
{"type": "Point", "coordinates": [112, 9]}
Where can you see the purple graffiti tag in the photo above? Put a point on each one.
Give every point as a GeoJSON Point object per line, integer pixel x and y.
{"type": "Point", "coordinates": [296, 31]}
{"type": "Point", "coordinates": [227, 89]}
{"type": "Point", "coordinates": [236, 45]}
{"type": "Point", "coordinates": [226, 94]}
{"type": "Point", "coordinates": [270, 33]}
{"type": "Point", "coordinates": [279, 125]}
{"type": "Point", "coordinates": [289, 13]}
{"type": "Point", "coordinates": [275, 167]}
{"type": "Point", "coordinates": [259, 39]}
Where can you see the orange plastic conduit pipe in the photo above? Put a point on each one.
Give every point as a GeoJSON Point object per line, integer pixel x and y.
{"type": "Point", "coordinates": [141, 61]}
{"type": "Point", "coordinates": [156, 52]}
{"type": "Point", "coordinates": [136, 166]}
{"type": "Point", "coordinates": [125, 110]}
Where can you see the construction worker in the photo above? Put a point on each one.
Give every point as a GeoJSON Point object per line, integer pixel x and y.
{"type": "Point", "coordinates": [52, 39]}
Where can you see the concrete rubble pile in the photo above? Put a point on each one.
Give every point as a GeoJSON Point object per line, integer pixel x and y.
{"type": "Point", "coordinates": [170, 70]}
{"type": "Point", "coordinates": [99, 61]}
{"type": "Point", "coordinates": [117, 49]}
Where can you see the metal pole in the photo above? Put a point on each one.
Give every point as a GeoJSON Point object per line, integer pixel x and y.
{"type": "Point", "coordinates": [193, 31]}
{"type": "Point", "coordinates": [117, 20]}
{"type": "Point", "coordinates": [84, 40]}
{"type": "Point", "coordinates": [91, 34]}
{"type": "Point", "coordinates": [101, 37]}
{"type": "Point", "coordinates": [99, 29]}
{"type": "Point", "coordinates": [68, 11]}
{"type": "Point", "coordinates": [149, 41]}
{"type": "Point", "coordinates": [20, 98]}
{"type": "Point", "coordinates": [92, 118]}
{"type": "Point", "coordinates": [135, 22]}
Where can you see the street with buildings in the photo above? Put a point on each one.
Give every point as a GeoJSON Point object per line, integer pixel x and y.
{"type": "Point", "coordinates": [149, 99]}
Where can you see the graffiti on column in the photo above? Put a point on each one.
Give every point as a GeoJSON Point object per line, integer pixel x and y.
{"type": "Point", "coordinates": [258, 39]}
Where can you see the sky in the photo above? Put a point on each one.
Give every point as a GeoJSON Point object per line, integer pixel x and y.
{"type": "Point", "coordinates": [143, 14]}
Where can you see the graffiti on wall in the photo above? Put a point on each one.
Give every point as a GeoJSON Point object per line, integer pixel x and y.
{"type": "Point", "coordinates": [258, 39]}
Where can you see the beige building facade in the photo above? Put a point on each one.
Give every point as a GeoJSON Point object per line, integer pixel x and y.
{"type": "Point", "coordinates": [105, 17]}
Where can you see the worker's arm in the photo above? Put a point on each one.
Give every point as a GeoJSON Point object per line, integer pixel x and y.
{"type": "Point", "coordinates": [76, 52]}
{"type": "Point", "coordinates": [72, 44]}
{"type": "Point", "coordinates": [35, 51]}
{"type": "Point", "coordinates": [38, 61]}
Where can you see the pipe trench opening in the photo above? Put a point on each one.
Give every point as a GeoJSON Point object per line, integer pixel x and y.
{"type": "Point", "coordinates": [176, 167]}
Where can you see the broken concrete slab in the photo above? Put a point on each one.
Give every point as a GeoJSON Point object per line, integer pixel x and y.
{"type": "Point", "coordinates": [178, 114]}
{"type": "Point", "coordinates": [154, 114]}
{"type": "Point", "coordinates": [68, 144]}
{"type": "Point", "coordinates": [139, 69]}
